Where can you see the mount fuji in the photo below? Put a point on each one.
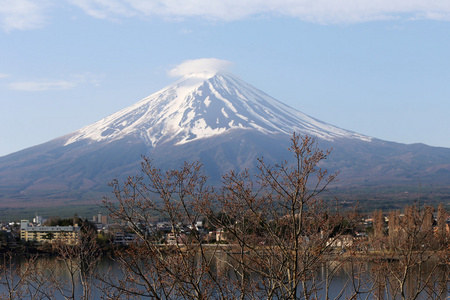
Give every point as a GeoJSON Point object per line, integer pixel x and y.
{"type": "Point", "coordinates": [204, 105]}
{"type": "Point", "coordinates": [213, 117]}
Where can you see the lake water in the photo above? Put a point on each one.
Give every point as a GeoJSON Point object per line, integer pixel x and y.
{"type": "Point", "coordinates": [372, 280]}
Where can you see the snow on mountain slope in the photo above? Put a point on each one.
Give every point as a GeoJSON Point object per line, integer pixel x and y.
{"type": "Point", "coordinates": [202, 105]}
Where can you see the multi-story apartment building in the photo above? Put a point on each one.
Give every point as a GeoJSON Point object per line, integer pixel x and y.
{"type": "Point", "coordinates": [67, 234]}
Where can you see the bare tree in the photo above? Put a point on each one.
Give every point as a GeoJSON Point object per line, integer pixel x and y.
{"type": "Point", "coordinates": [274, 233]}
{"type": "Point", "coordinates": [68, 276]}
{"type": "Point", "coordinates": [14, 276]}
{"type": "Point", "coordinates": [277, 229]}
{"type": "Point", "coordinates": [182, 269]}
{"type": "Point", "coordinates": [409, 269]}
{"type": "Point", "coordinates": [72, 275]}
{"type": "Point", "coordinates": [283, 232]}
{"type": "Point", "coordinates": [378, 241]}
{"type": "Point", "coordinates": [442, 230]}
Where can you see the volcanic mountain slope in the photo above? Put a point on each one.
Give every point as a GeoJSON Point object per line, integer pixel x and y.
{"type": "Point", "coordinates": [212, 117]}
{"type": "Point", "coordinates": [202, 105]}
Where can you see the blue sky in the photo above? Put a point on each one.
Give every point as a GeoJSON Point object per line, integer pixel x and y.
{"type": "Point", "coordinates": [380, 68]}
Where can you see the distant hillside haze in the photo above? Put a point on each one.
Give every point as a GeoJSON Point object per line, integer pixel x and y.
{"type": "Point", "coordinates": [213, 117]}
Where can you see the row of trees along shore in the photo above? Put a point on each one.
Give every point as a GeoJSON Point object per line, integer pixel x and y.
{"type": "Point", "coordinates": [279, 237]}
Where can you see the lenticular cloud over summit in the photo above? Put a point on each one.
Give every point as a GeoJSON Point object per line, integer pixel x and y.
{"type": "Point", "coordinates": [202, 65]}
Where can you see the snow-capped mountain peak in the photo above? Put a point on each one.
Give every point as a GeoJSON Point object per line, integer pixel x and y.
{"type": "Point", "coordinates": [205, 104]}
{"type": "Point", "coordinates": [216, 119]}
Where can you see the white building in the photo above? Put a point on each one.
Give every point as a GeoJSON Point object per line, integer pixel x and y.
{"type": "Point", "coordinates": [67, 234]}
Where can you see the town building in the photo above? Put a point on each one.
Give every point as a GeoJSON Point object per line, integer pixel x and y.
{"type": "Point", "coordinates": [40, 234]}
{"type": "Point", "coordinates": [99, 218]}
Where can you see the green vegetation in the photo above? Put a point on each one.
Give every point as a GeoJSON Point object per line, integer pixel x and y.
{"type": "Point", "coordinates": [17, 214]}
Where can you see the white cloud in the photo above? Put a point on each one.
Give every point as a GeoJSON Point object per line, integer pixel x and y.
{"type": "Point", "coordinates": [22, 14]}
{"type": "Point", "coordinates": [29, 14]}
{"type": "Point", "coordinates": [103, 9]}
{"type": "Point", "coordinates": [34, 86]}
{"type": "Point", "coordinates": [4, 75]}
{"type": "Point", "coordinates": [319, 11]}
{"type": "Point", "coordinates": [202, 65]}
{"type": "Point", "coordinates": [52, 85]}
